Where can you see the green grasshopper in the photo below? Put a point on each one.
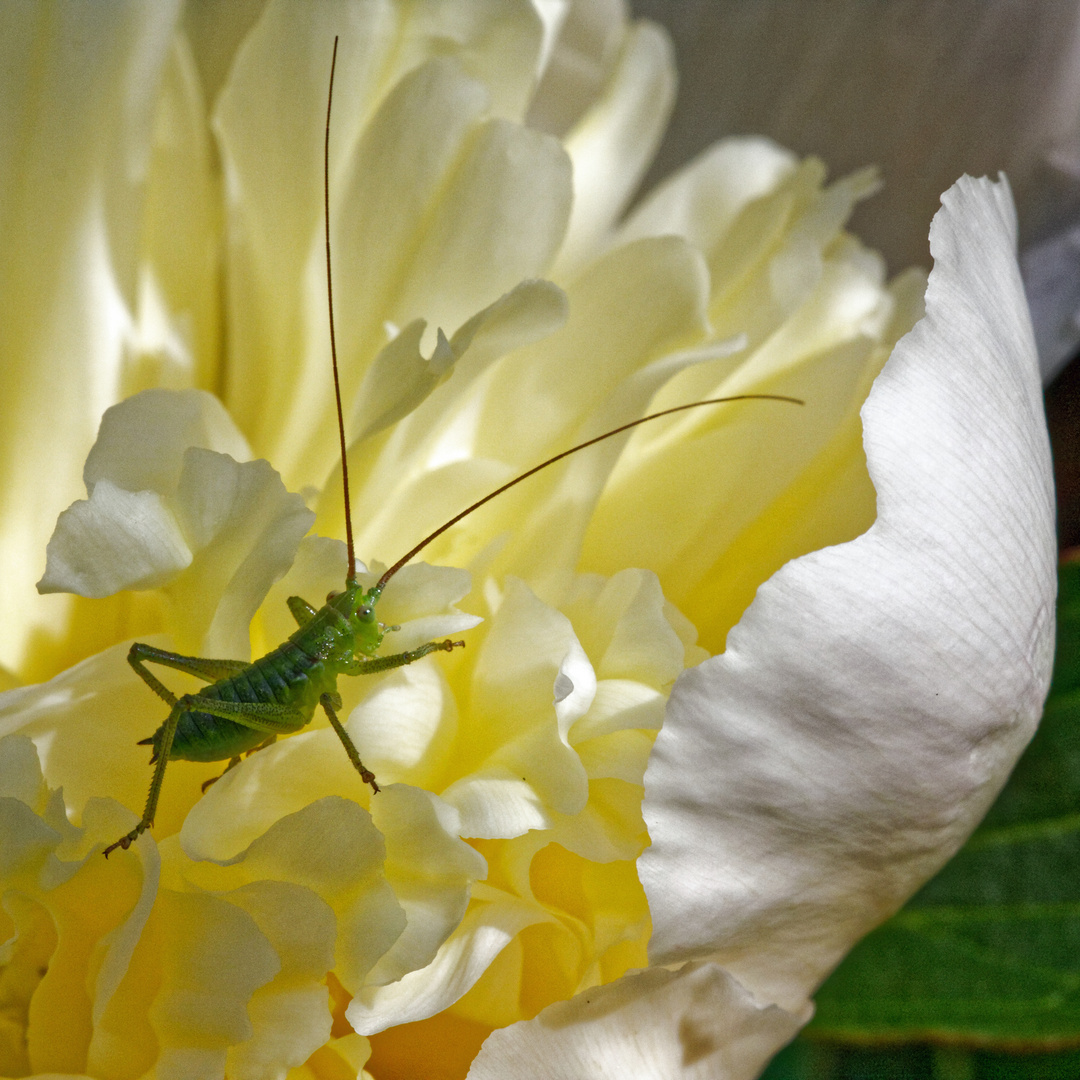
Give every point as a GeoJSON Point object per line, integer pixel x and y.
{"type": "Point", "coordinates": [246, 706]}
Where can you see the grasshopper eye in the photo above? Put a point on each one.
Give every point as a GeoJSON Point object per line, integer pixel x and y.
{"type": "Point", "coordinates": [365, 612]}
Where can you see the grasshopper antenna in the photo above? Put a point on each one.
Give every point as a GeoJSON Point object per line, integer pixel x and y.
{"type": "Point", "coordinates": [350, 577]}
{"type": "Point", "coordinates": [408, 556]}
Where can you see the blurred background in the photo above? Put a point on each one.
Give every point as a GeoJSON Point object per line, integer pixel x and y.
{"type": "Point", "coordinates": [979, 977]}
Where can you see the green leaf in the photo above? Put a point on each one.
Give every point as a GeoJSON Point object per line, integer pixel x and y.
{"type": "Point", "coordinates": [988, 953]}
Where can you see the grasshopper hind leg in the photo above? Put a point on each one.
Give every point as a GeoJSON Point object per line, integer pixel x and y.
{"type": "Point", "coordinates": [168, 731]}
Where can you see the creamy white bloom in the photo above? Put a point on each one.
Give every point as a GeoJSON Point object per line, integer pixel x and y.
{"type": "Point", "coordinates": [510, 875]}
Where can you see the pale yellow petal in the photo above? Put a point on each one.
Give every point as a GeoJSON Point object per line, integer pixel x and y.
{"type": "Point", "coordinates": [71, 194]}
{"type": "Point", "coordinates": [244, 527]}
{"type": "Point", "coordinates": [612, 145]}
{"type": "Point", "coordinates": [483, 934]}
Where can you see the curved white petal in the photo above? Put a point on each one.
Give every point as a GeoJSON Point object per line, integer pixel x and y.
{"type": "Point", "coordinates": [165, 510]}
{"type": "Point", "coordinates": [86, 723]}
{"type": "Point", "coordinates": [584, 37]}
{"type": "Point", "coordinates": [114, 540]}
{"type": "Point", "coordinates": [140, 443]}
{"type": "Point", "coordinates": [702, 200]}
{"type": "Point", "coordinates": [245, 528]}
{"type": "Point", "coordinates": [430, 870]}
{"type": "Point", "coordinates": [875, 695]}
{"type": "Point", "coordinates": [697, 1023]}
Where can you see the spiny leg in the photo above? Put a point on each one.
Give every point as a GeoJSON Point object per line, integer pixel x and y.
{"type": "Point", "coordinates": [330, 702]}
{"type": "Point", "coordinates": [155, 783]}
{"type": "Point", "coordinates": [385, 663]}
{"type": "Point", "coordinates": [266, 716]}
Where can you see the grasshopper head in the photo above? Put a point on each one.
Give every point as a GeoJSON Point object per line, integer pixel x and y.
{"type": "Point", "coordinates": [357, 605]}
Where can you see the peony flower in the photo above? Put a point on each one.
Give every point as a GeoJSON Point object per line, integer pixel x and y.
{"type": "Point", "coordinates": [734, 685]}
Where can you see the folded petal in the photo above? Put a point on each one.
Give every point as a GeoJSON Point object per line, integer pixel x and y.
{"type": "Point", "coordinates": [167, 509]}
{"type": "Point", "coordinates": [140, 443]}
{"type": "Point", "coordinates": [86, 723]}
{"type": "Point", "coordinates": [485, 931]}
{"type": "Point", "coordinates": [875, 695]}
{"type": "Point", "coordinates": [697, 1023]}
{"type": "Point", "coordinates": [114, 540]}
{"type": "Point", "coordinates": [245, 528]}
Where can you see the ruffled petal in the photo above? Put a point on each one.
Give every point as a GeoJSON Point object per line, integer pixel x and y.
{"type": "Point", "coordinates": [140, 443]}
{"type": "Point", "coordinates": [86, 723]}
{"type": "Point", "coordinates": [524, 766]}
{"type": "Point", "coordinates": [486, 930]}
{"type": "Point", "coordinates": [244, 527]}
{"type": "Point", "coordinates": [167, 511]}
{"type": "Point", "coordinates": [875, 695]}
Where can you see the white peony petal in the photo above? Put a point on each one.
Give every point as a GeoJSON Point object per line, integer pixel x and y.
{"type": "Point", "coordinates": [697, 1023]}
{"type": "Point", "coordinates": [114, 540]}
{"type": "Point", "coordinates": [582, 47]}
{"type": "Point", "coordinates": [141, 442]}
{"type": "Point", "coordinates": [875, 695]}
{"type": "Point", "coordinates": [288, 1014]}
{"type": "Point", "coordinates": [176, 337]}
{"type": "Point", "coordinates": [520, 734]}
{"type": "Point", "coordinates": [500, 217]}
{"type": "Point", "coordinates": [430, 870]}
{"type": "Point", "coordinates": [86, 723]}
{"type": "Point", "coordinates": [245, 528]}
{"type": "Point", "coordinates": [529, 312]}
{"type": "Point", "coordinates": [214, 959]}
{"type": "Point", "coordinates": [420, 600]}
{"type": "Point", "coordinates": [702, 200]}
{"type": "Point", "coordinates": [162, 501]}
{"type": "Point", "coordinates": [437, 210]}
{"type": "Point", "coordinates": [406, 725]}
{"type": "Point", "coordinates": [399, 379]}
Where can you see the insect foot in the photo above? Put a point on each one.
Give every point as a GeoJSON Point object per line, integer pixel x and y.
{"type": "Point", "coordinates": [126, 841]}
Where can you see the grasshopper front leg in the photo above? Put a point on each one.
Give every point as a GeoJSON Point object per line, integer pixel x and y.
{"type": "Point", "coordinates": [401, 659]}
{"type": "Point", "coordinates": [332, 702]}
